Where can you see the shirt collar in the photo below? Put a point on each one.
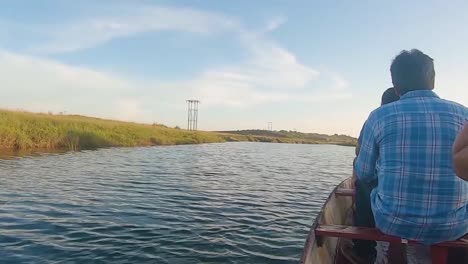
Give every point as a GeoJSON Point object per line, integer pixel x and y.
{"type": "Point", "coordinates": [419, 93]}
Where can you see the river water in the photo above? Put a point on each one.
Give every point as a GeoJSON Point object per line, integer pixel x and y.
{"type": "Point", "coordinates": [214, 203]}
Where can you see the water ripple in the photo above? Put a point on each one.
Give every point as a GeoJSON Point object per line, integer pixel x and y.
{"type": "Point", "coordinates": [217, 203]}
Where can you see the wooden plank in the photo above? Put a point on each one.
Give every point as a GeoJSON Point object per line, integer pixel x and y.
{"type": "Point", "coordinates": [345, 192]}
{"type": "Point", "coordinates": [366, 233]}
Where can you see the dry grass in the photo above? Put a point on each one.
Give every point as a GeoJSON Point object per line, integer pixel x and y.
{"type": "Point", "coordinates": [23, 130]}
{"type": "Point", "coordinates": [26, 131]}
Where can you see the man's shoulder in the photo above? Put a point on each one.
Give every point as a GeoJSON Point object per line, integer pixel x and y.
{"type": "Point", "coordinates": [403, 106]}
{"type": "Point", "coordinates": [449, 107]}
{"type": "Point", "coordinates": [455, 105]}
{"type": "Point", "coordinates": [385, 110]}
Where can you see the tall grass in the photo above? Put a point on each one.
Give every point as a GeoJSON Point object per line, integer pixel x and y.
{"type": "Point", "coordinates": [26, 131]}
{"type": "Point", "coordinates": [22, 130]}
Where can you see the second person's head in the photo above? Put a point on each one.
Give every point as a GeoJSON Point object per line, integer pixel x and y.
{"type": "Point", "coordinates": [389, 96]}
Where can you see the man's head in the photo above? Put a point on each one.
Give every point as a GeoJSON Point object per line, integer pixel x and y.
{"type": "Point", "coordinates": [389, 96]}
{"type": "Point", "coordinates": [412, 70]}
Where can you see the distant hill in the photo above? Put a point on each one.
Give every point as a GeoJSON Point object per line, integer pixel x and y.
{"type": "Point", "coordinates": [284, 136]}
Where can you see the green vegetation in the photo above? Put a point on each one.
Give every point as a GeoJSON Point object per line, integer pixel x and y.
{"type": "Point", "coordinates": [288, 137]}
{"type": "Point", "coordinates": [22, 130]}
{"type": "Point", "coordinates": [26, 131]}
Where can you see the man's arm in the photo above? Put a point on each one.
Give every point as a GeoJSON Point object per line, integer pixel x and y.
{"type": "Point", "coordinates": [359, 141]}
{"type": "Point", "coordinates": [368, 151]}
{"type": "Point", "coordinates": [356, 151]}
{"type": "Point", "coordinates": [460, 154]}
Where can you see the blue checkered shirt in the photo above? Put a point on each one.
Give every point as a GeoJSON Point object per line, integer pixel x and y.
{"type": "Point", "coordinates": [408, 146]}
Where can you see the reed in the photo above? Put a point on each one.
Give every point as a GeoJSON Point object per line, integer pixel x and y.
{"type": "Point", "coordinates": [24, 130]}
{"type": "Point", "coordinates": [28, 131]}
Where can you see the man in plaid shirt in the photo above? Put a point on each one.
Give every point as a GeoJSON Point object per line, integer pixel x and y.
{"type": "Point", "coordinates": [407, 146]}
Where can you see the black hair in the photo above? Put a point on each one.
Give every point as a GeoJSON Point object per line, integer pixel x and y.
{"type": "Point", "coordinates": [389, 96]}
{"type": "Point", "coordinates": [412, 70]}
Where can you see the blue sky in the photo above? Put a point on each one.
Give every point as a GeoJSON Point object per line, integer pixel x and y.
{"type": "Point", "coordinates": [312, 66]}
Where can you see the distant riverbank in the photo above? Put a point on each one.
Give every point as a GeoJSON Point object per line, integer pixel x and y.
{"type": "Point", "coordinates": [292, 137]}
{"type": "Point", "coordinates": [25, 131]}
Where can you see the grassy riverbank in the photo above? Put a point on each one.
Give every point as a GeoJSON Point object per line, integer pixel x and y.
{"type": "Point", "coordinates": [21, 130]}
{"type": "Point", "coordinates": [289, 137]}
{"type": "Point", "coordinates": [26, 131]}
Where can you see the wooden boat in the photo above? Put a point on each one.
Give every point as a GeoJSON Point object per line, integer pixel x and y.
{"type": "Point", "coordinates": [333, 227]}
{"type": "Point", "coordinates": [334, 211]}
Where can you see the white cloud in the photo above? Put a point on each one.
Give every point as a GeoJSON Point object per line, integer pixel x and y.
{"type": "Point", "coordinates": [275, 23]}
{"type": "Point", "coordinates": [130, 109]}
{"type": "Point", "coordinates": [340, 83]}
{"type": "Point", "coordinates": [43, 85]}
{"type": "Point", "coordinates": [277, 79]}
{"type": "Point", "coordinates": [270, 74]}
{"type": "Point", "coordinates": [91, 32]}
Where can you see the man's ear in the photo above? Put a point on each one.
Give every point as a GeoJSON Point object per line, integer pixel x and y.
{"type": "Point", "coordinates": [396, 87]}
{"type": "Point", "coordinates": [397, 90]}
{"type": "Point", "coordinates": [432, 83]}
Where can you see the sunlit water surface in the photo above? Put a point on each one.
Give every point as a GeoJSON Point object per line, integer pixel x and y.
{"type": "Point", "coordinates": [216, 203]}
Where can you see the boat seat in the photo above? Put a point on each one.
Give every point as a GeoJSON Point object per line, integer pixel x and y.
{"type": "Point", "coordinates": [439, 252]}
{"type": "Point", "coordinates": [367, 233]}
{"type": "Point", "coordinates": [345, 192]}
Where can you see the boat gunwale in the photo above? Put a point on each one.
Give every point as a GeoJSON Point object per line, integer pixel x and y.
{"type": "Point", "coordinates": [311, 237]}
